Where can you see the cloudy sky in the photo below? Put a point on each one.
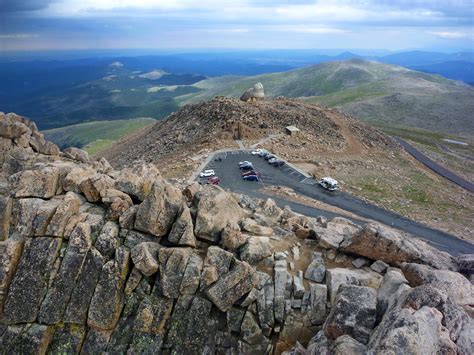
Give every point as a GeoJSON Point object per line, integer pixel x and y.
{"type": "Point", "coordinates": [445, 25]}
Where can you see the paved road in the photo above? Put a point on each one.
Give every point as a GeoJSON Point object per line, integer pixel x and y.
{"type": "Point", "coordinates": [227, 169]}
{"type": "Point", "coordinates": [447, 174]}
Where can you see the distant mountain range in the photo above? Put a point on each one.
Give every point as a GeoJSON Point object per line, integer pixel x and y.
{"type": "Point", "coordinates": [375, 92]}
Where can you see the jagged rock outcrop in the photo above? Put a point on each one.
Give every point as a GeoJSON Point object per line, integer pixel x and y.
{"type": "Point", "coordinates": [94, 260]}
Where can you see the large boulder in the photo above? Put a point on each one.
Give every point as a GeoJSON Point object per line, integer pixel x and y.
{"type": "Point", "coordinates": [42, 182]}
{"type": "Point", "coordinates": [316, 269]}
{"type": "Point", "coordinates": [452, 283]}
{"type": "Point", "coordinates": [145, 257]}
{"type": "Point", "coordinates": [353, 313]}
{"type": "Point", "coordinates": [157, 213]}
{"type": "Point", "coordinates": [232, 286]}
{"type": "Point", "coordinates": [393, 284]}
{"type": "Point", "coordinates": [173, 262]}
{"type": "Point", "coordinates": [423, 320]}
{"type": "Point", "coordinates": [215, 210]}
{"type": "Point", "coordinates": [339, 276]}
{"type": "Point", "coordinates": [138, 180]}
{"type": "Point", "coordinates": [232, 237]}
{"type": "Point", "coordinates": [182, 232]}
{"type": "Point", "coordinates": [378, 242]}
{"type": "Point", "coordinates": [255, 250]}
{"type": "Point", "coordinates": [77, 154]}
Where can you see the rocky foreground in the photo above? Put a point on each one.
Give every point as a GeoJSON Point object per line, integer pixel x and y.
{"type": "Point", "coordinates": [96, 260]}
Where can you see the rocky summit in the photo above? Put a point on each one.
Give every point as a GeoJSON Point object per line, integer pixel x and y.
{"type": "Point", "coordinates": [97, 260]}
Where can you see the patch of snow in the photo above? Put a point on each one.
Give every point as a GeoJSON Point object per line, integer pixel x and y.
{"type": "Point", "coordinates": [455, 142]}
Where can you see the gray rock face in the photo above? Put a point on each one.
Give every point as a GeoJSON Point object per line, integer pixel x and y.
{"type": "Point", "coordinates": [157, 212]}
{"type": "Point", "coordinates": [377, 242]}
{"type": "Point", "coordinates": [232, 286]}
{"type": "Point", "coordinates": [108, 240]}
{"type": "Point", "coordinates": [281, 276]}
{"type": "Point", "coordinates": [216, 264]}
{"type": "Point", "coordinates": [10, 252]}
{"type": "Point", "coordinates": [339, 276]}
{"type": "Point", "coordinates": [57, 298]}
{"type": "Point", "coordinates": [452, 283]}
{"type": "Point", "coordinates": [318, 301]}
{"type": "Point", "coordinates": [423, 320]}
{"type": "Point", "coordinates": [108, 298]}
{"type": "Point", "coordinates": [251, 332]}
{"type": "Point", "coordinates": [393, 284]}
{"type": "Point", "coordinates": [192, 275]}
{"type": "Point", "coordinates": [29, 285]}
{"type": "Point", "coordinates": [182, 232]}
{"type": "Point", "coordinates": [215, 210]}
{"type": "Point", "coordinates": [353, 313]}
{"type": "Point", "coordinates": [379, 266]}
{"type": "Point", "coordinates": [316, 269]}
{"type": "Point", "coordinates": [76, 312]}
{"type": "Point", "coordinates": [6, 204]}
{"type": "Point", "coordinates": [173, 263]}
{"type": "Point", "coordinates": [346, 345]}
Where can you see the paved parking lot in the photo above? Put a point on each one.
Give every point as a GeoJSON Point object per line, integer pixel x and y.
{"type": "Point", "coordinates": [226, 167]}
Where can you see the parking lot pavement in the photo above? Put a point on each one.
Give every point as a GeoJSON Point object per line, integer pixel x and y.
{"type": "Point", "coordinates": [225, 165]}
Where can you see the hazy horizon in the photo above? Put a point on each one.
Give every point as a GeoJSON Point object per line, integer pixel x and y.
{"type": "Point", "coordinates": [399, 25]}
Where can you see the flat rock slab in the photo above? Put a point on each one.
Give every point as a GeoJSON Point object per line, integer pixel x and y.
{"type": "Point", "coordinates": [29, 285]}
{"type": "Point", "coordinates": [232, 286]}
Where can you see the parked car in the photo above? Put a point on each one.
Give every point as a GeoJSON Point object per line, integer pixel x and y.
{"type": "Point", "coordinates": [272, 160]}
{"type": "Point", "coordinates": [269, 156]}
{"type": "Point", "coordinates": [329, 183]}
{"type": "Point", "coordinates": [207, 173]}
{"type": "Point", "coordinates": [246, 167]}
{"type": "Point", "coordinates": [214, 180]}
{"type": "Point", "coordinates": [263, 153]}
{"type": "Point", "coordinates": [245, 162]}
{"type": "Point", "coordinates": [251, 172]}
{"type": "Point", "coordinates": [277, 163]}
{"type": "Point", "coordinates": [251, 178]}
{"type": "Point", "coordinates": [255, 151]}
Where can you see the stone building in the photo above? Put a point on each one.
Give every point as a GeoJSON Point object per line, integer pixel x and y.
{"type": "Point", "coordinates": [254, 94]}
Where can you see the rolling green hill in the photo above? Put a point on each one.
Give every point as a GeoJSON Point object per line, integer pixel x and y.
{"type": "Point", "coordinates": [372, 91]}
{"type": "Point", "coordinates": [97, 135]}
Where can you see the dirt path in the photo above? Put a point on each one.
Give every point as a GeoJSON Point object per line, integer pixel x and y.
{"type": "Point", "coordinates": [353, 146]}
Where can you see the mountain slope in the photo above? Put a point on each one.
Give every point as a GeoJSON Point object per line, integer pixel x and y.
{"type": "Point", "coordinates": [370, 90]}
{"type": "Point", "coordinates": [216, 123]}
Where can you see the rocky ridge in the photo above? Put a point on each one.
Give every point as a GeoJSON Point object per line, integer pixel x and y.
{"type": "Point", "coordinates": [97, 260]}
{"type": "Point", "coordinates": [216, 123]}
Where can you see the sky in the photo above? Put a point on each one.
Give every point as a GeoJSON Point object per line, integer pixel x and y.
{"type": "Point", "coordinates": [442, 25]}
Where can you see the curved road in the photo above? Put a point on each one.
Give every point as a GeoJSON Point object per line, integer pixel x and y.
{"type": "Point", "coordinates": [447, 174]}
{"type": "Point", "coordinates": [227, 169]}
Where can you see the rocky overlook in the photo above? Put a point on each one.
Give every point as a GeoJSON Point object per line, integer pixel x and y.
{"type": "Point", "coordinates": [97, 260]}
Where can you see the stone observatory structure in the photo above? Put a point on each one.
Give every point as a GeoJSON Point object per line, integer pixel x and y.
{"type": "Point", "coordinates": [254, 94]}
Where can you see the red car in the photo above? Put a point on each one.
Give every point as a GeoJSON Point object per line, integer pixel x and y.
{"type": "Point", "coordinates": [214, 180]}
{"type": "Point", "coordinates": [252, 172]}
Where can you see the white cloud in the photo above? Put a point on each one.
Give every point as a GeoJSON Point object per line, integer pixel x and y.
{"type": "Point", "coordinates": [451, 34]}
{"type": "Point", "coordinates": [18, 35]}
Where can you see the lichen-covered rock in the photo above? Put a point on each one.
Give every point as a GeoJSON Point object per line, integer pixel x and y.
{"type": "Point", "coordinates": [216, 264]}
{"type": "Point", "coordinates": [108, 241]}
{"type": "Point", "coordinates": [346, 345]}
{"type": "Point", "coordinates": [67, 208]}
{"type": "Point", "coordinates": [232, 237]}
{"type": "Point", "coordinates": [393, 284]}
{"type": "Point", "coordinates": [251, 332]}
{"type": "Point", "coordinates": [423, 319]}
{"type": "Point", "coordinates": [10, 252]}
{"type": "Point", "coordinates": [77, 154]}
{"type": "Point", "coordinates": [6, 204]}
{"type": "Point", "coordinates": [42, 182]}
{"type": "Point", "coordinates": [192, 275]}
{"type": "Point", "coordinates": [59, 293]}
{"type": "Point", "coordinates": [353, 313]}
{"type": "Point", "coordinates": [117, 201]}
{"type": "Point", "coordinates": [29, 285]}
{"type": "Point", "coordinates": [251, 226]}
{"type": "Point", "coordinates": [255, 250]}
{"type": "Point", "coordinates": [67, 339]}
{"type": "Point", "coordinates": [173, 262]}
{"type": "Point", "coordinates": [377, 242]}
{"type": "Point", "coordinates": [157, 213]}
{"type": "Point", "coordinates": [182, 232]}
{"type": "Point", "coordinates": [339, 276]}
{"type": "Point", "coordinates": [318, 303]}
{"type": "Point", "coordinates": [77, 309]}
{"type": "Point", "coordinates": [108, 298]}
{"type": "Point", "coordinates": [232, 286]}
{"type": "Point", "coordinates": [32, 339]}
{"type": "Point", "coordinates": [215, 210]}
{"type": "Point", "coordinates": [452, 283]}
{"type": "Point", "coordinates": [137, 181]}
{"type": "Point", "coordinates": [316, 269]}
{"type": "Point", "coordinates": [145, 257]}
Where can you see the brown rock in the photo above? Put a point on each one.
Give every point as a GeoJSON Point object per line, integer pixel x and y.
{"type": "Point", "coordinates": [145, 257]}
{"type": "Point", "coordinates": [173, 263]}
{"type": "Point", "coordinates": [68, 207]}
{"type": "Point", "coordinates": [182, 232]}
{"type": "Point", "coordinates": [10, 252]}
